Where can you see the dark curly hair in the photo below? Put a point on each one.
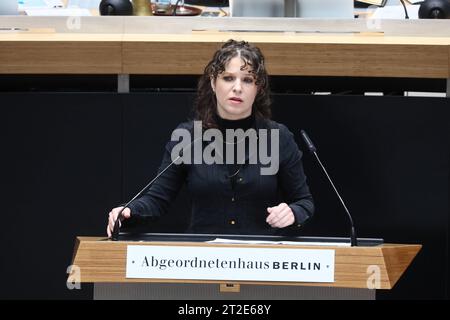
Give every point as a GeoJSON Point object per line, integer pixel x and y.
{"type": "Point", "coordinates": [205, 104]}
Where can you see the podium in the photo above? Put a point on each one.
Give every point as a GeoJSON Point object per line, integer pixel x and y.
{"type": "Point", "coordinates": [358, 272]}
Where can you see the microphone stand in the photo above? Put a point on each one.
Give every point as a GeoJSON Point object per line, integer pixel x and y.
{"type": "Point", "coordinates": [352, 231]}
{"type": "Point", "coordinates": [404, 7]}
{"type": "Point", "coordinates": [312, 149]}
{"type": "Point", "coordinates": [174, 13]}
{"type": "Point", "coordinates": [116, 229]}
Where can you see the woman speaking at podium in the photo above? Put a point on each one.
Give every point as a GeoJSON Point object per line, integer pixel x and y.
{"type": "Point", "coordinates": [242, 170]}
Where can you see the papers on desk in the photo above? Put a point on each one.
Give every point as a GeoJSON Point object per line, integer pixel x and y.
{"type": "Point", "coordinates": [72, 12]}
{"type": "Point", "coordinates": [87, 4]}
{"type": "Point", "coordinates": [380, 3]}
{"type": "Point", "coordinates": [396, 12]}
{"type": "Point", "coordinates": [28, 4]}
{"type": "Point", "coordinates": [298, 243]}
{"type": "Point", "coordinates": [50, 8]}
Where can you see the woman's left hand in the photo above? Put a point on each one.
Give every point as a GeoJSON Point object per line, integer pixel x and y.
{"type": "Point", "coordinates": [280, 216]}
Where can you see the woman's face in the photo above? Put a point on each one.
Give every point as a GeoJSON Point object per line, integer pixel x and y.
{"type": "Point", "coordinates": [235, 90]}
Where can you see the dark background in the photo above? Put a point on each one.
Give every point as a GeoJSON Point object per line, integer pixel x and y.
{"type": "Point", "coordinates": [68, 157]}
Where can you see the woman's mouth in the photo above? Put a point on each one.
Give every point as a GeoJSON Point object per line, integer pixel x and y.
{"type": "Point", "coordinates": [235, 100]}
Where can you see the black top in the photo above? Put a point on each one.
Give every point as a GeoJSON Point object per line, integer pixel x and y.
{"type": "Point", "coordinates": [217, 205]}
{"type": "Point", "coordinates": [225, 124]}
{"type": "Point", "coordinates": [244, 124]}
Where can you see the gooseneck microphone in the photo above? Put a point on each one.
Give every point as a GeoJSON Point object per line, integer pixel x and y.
{"type": "Point", "coordinates": [404, 8]}
{"type": "Point", "coordinates": [312, 149]}
{"type": "Point", "coordinates": [175, 7]}
{"type": "Point", "coordinates": [116, 229]}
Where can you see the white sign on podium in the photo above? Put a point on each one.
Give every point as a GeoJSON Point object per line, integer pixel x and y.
{"type": "Point", "coordinates": [230, 263]}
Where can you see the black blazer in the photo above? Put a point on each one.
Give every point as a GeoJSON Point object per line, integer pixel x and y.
{"type": "Point", "coordinates": [217, 207]}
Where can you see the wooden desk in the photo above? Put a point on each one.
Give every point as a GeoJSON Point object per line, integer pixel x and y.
{"type": "Point", "coordinates": [297, 55]}
{"type": "Point", "coordinates": [139, 45]}
{"type": "Point", "coordinates": [105, 261]}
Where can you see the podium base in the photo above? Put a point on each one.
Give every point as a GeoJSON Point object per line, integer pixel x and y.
{"type": "Point", "coordinates": [184, 291]}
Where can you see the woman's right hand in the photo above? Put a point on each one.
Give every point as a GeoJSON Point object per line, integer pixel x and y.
{"type": "Point", "coordinates": [113, 217]}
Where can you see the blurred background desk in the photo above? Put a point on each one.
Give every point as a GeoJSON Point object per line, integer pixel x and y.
{"type": "Point", "coordinates": [182, 45]}
{"type": "Point", "coordinates": [91, 8]}
{"type": "Point", "coordinates": [249, 8]}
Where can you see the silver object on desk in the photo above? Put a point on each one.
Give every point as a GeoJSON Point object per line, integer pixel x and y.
{"type": "Point", "coordinates": [257, 8]}
{"type": "Point", "coordinates": [293, 8]}
{"type": "Point", "coordinates": [341, 9]}
{"type": "Point", "coordinates": [9, 7]}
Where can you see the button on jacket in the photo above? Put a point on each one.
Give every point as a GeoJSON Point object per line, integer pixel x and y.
{"type": "Point", "coordinates": [237, 204]}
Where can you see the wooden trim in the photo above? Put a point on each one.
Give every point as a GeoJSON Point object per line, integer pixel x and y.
{"type": "Point", "coordinates": [296, 59]}
{"type": "Point", "coordinates": [230, 287]}
{"type": "Point", "coordinates": [357, 60]}
{"type": "Point", "coordinates": [60, 57]}
{"type": "Point", "coordinates": [448, 63]}
{"type": "Point", "coordinates": [397, 260]}
{"type": "Point", "coordinates": [101, 260]}
{"type": "Point", "coordinates": [166, 57]}
{"type": "Point", "coordinates": [296, 55]}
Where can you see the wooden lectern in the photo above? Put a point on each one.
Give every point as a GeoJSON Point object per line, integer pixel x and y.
{"type": "Point", "coordinates": [357, 272]}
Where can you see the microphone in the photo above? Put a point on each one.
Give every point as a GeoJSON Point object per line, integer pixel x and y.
{"type": "Point", "coordinates": [116, 229]}
{"type": "Point", "coordinates": [175, 7]}
{"type": "Point", "coordinates": [312, 149]}
{"type": "Point", "coordinates": [404, 8]}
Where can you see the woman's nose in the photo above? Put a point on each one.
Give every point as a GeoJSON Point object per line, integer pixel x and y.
{"type": "Point", "coordinates": [237, 86]}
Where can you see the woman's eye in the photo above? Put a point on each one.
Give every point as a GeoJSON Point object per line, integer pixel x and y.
{"type": "Point", "coordinates": [228, 78]}
{"type": "Point", "coordinates": [248, 80]}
